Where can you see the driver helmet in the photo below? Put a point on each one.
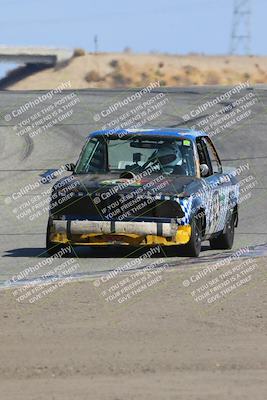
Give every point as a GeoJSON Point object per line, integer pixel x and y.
{"type": "Point", "coordinates": [169, 155]}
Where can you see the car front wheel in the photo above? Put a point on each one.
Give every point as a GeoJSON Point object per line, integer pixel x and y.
{"type": "Point", "coordinates": [193, 247]}
{"type": "Point", "coordinates": [225, 240]}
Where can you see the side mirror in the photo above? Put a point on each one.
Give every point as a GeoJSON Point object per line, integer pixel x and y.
{"type": "Point", "coordinates": [204, 170]}
{"type": "Point", "coordinates": [70, 167]}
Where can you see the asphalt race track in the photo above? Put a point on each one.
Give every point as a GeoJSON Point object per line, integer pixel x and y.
{"type": "Point", "coordinates": [23, 158]}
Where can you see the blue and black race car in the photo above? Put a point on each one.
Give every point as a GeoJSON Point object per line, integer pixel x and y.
{"type": "Point", "coordinates": [145, 187]}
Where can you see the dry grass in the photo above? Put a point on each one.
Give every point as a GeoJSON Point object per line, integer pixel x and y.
{"type": "Point", "coordinates": [112, 70]}
{"type": "Point", "coordinates": [79, 52]}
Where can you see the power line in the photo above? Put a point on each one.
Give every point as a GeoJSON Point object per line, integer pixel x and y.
{"type": "Point", "coordinates": [241, 33]}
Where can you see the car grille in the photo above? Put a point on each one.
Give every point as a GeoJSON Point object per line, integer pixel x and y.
{"type": "Point", "coordinates": [117, 208]}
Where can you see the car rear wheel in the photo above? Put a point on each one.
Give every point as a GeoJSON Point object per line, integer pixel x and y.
{"type": "Point", "coordinates": [193, 247]}
{"type": "Point", "coordinates": [225, 240]}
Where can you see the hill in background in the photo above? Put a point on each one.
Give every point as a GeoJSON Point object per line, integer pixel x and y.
{"type": "Point", "coordinates": [116, 70]}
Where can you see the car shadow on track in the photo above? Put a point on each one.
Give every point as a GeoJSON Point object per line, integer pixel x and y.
{"type": "Point", "coordinates": [103, 252]}
{"type": "Point", "coordinates": [26, 252]}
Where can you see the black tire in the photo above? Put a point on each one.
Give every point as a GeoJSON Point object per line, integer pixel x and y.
{"type": "Point", "coordinates": [225, 240]}
{"type": "Point", "coordinates": [51, 247]}
{"type": "Point", "coordinates": [193, 247]}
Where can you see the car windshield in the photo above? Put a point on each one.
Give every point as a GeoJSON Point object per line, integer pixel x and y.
{"type": "Point", "coordinates": [112, 154]}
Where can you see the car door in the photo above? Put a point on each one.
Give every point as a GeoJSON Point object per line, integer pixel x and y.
{"type": "Point", "coordinates": [217, 188]}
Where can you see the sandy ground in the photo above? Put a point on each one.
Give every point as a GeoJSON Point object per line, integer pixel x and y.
{"type": "Point", "coordinates": [111, 70]}
{"type": "Point", "coordinates": [73, 344]}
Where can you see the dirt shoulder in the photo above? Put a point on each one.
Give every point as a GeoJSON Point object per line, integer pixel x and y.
{"type": "Point", "coordinates": [73, 344]}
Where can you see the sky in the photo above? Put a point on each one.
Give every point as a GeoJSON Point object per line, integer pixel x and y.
{"type": "Point", "coordinates": [168, 26]}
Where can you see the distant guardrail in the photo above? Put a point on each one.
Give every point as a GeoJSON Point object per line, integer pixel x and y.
{"type": "Point", "coordinates": [34, 55]}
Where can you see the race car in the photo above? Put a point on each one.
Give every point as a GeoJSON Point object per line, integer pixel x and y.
{"type": "Point", "coordinates": [145, 187]}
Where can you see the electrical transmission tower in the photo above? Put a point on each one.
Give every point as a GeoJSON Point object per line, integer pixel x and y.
{"type": "Point", "coordinates": [241, 35]}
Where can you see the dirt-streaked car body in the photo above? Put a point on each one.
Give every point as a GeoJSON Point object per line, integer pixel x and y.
{"type": "Point", "coordinates": [145, 187]}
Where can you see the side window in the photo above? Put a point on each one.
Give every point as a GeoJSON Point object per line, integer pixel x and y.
{"type": "Point", "coordinates": [94, 157]}
{"type": "Point", "coordinates": [215, 162]}
{"type": "Point", "coordinates": [203, 153]}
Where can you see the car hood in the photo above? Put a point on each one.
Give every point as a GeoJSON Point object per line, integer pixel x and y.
{"type": "Point", "coordinates": [154, 184]}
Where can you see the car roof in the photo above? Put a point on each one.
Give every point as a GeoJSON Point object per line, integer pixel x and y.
{"type": "Point", "coordinates": [170, 132]}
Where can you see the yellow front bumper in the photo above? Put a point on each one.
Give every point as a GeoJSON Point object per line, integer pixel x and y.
{"type": "Point", "coordinates": [182, 236]}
